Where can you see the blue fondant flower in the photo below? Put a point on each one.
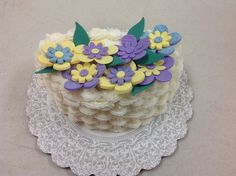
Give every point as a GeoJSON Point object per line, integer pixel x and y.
{"type": "Point", "coordinates": [59, 54]}
{"type": "Point", "coordinates": [161, 41]}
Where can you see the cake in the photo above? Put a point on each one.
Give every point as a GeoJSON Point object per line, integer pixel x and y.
{"type": "Point", "coordinates": [106, 79]}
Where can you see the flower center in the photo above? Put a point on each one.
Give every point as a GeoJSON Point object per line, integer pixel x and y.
{"type": "Point", "coordinates": [84, 72]}
{"type": "Point", "coordinates": [120, 74]}
{"type": "Point", "coordinates": [151, 66]}
{"type": "Point", "coordinates": [95, 50]}
{"type": "Point", "coordinates": [59, 54]}
{"type": "Point", "coordinates": [158, 40]}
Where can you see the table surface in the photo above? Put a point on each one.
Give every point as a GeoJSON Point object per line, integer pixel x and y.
{"type": "Point", "coordinates": [209, 34]}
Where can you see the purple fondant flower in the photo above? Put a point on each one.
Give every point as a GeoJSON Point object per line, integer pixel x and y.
{"type": "Point", "coordinates": [83, 75]}
{"type": "Point", "coordinates": [121, 78]}
{"type": "Point", "coordinates": [95, 51]}
{"type": "Point", "coordinates": [120, 75]}
{"type": "Point", "coordinates": [157, 71]}
{"type": "Point", "coordinates": [131, 49]}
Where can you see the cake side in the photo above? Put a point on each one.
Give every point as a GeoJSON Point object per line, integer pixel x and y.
{"type": "Point", "coordinates": [106, 109]}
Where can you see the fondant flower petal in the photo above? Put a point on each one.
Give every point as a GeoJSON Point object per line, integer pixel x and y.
{"type": "Point", "coordinates": [67, 58]}
{"type": "Point", "coordinates": [168, 62]}
{"type": "Point", "coordinates": [83, 58]}
{"type": "Point", "coordinates": [66, 51]}
{"type": "Point", "coordinates": [142, 44]}
{"type": "Point", "coordinates": [103, 51]}
{"type": "Point", "coordinates": [44, 61]}
{"type": "Point", "coordinates": [104, 60]}
{"type": "Point", "coordinates": [112, 50]}
{"type": "Point", "coordinates": [79, 49]}
{"type": "Point", "coordinates": [93, 83]}
{"type": "Point", "coordinates": [140, 55]}
{"type": "Point", "coordinates": [157, 72]}
{"type": "Point", "coordinates": [59, 47]}
{"type": "Point", "coordinates": [138, 77]}
{"type": "Point", "coordinates": [105, 83]}
{"type": "Point", "coordinates": [99, 45]}
{"type": "Point", "coordinates": [74, 60]}
{"type": "Point", "coordinates": [113, 70]}
{"type": "Point", "coordinates": [133, 66]}
{"type": "Point", "coordinates": [66, 74]}
{"type": "Point", "coordinates": [53, 59]}
{"type": "Point", "coordinates": [72, 86]}
{"type": "Point", "coordinates": [175, 38]}
{"type": "Point", "coordinates": [158, 46]}
{"type": "Point", "coordinates": [164, 34]}
{"type": "Point", "coordinates": [92, 44]}
{"type": "Point", "coordinates": [129, 41]}
{"type": "Point", "coordinates": [50, 55]}
{"type": "Point", "coordinates": [167, 51]}
{"type": "Point", "coordinates": [165, 44]}
{"type": "Point", "coordinates": [148, 80]}
{"type": "Point", "coordinates": [48, 44]}
{"type": "Point", "coordinates": [100, 69]}
{"type": "Point", "coordinates": [68, 44]}
{"type": "Point", "coordinates": [125, 88]}
{"type": "Point", "coordinates": [60, 61]}
{"type": "Point", "coordinates": [61, 67]}
{"type": "Point", "coordinates": [161, 28]}
{"type": "Point", "coordinates": [164, 76]}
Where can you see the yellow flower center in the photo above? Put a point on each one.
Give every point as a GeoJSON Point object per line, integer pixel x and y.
{"type": "Point", "coordinates": [120, 74]}
{"type": "Point", "coordinates": [59, 54]}
{"type": "Point", "coordinates": [95, 50]}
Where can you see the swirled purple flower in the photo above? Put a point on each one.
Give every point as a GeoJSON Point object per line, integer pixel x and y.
{"type": "Point", "coordinates": [132, 49]}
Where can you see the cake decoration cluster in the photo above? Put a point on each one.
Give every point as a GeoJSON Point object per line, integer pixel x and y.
{"type": "Point", "coordinates": [141, 59]}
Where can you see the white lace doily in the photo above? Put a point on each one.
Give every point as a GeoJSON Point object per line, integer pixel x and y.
{"type": "Point", "coordinates": [107, 154]}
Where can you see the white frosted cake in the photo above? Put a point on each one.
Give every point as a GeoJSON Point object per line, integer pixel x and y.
{"type": "Point", "coordinates": [111, 80]}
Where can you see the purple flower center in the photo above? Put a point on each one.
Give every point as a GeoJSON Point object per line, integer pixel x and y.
{"type": "Point", "coordinates": [158, 40]}
{"type": "Point", "coordinates": [84, 72]}
{"type": "Point", "coordinates": [151, 66]}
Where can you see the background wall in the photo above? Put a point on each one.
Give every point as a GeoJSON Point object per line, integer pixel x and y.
{"type": "Point", "coordinates": [209, 34]}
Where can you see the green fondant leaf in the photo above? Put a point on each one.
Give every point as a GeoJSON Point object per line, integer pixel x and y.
{"type": "Point", "coordinates": [150, 58]}
{"type": "Point", "coordinates": [139, 88]}
{"type": "Point", "coordinates": [137, 29]}
{"type": "Point", "coordinates": [45, 70]}
{"type": "Point", "coordinates": [80, 35]}
{"type": "Point", "coordinates": [116, 61]}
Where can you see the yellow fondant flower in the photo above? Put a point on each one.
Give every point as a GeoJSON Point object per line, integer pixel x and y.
{"type": "Point", "coordinates": [84, 72]}
{"type": "Point", "coordinates": [157, 71]}
{"type": "Point", "coordinates": [153, 69]}
{"type": "Point", "coordinates": [95, 52]}
{"type": "Point", "coordinates": [159, 40]}
{"type": "Point", "coordinates": [122, 78]}
{"type": "Point", "coordinates": [58, 55]}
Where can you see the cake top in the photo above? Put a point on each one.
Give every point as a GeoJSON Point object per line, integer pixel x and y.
{"type": "Point", "coordinates": [136, 62]}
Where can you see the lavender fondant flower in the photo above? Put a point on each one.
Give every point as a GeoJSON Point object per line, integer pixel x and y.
{"type": "Point", "coordinates": [84, 75]}
{"type": "Point", "coordinates": [95, 52]}
{"type": "Point", "coordinates": [121, 78]}
{"type": "Point", "coordinates": [131, 49]}
{"type": "Point", "coordinates": [157, 71]}
{"type": "Point", "coordinates": [120, 75]}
